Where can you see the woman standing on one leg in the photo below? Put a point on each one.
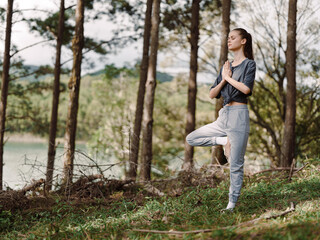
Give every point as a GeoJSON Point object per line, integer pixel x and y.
{"type": "Point", "coordinates": [235, 84]}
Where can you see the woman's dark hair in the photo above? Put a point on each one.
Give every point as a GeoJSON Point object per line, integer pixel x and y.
{"type": "Point", "coordinates": [248, 45]}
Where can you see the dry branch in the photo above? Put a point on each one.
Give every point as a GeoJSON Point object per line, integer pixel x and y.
{"type": "Point", "coordinates": [151, 189]}
{"type": "Point", "coordinates": [32, 186]}
{"type": "Point", "coordinates": [173, 232]}
{"type": "Point", "coordinates": [281, 169]}
{"type": "Point", "coordinates": [302, 167]}
{"type": "Point", "coordinates": [291, 209]}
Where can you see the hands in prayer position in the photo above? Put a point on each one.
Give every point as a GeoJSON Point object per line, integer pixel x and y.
{"type": "Point", "coordinates": [226, 71]}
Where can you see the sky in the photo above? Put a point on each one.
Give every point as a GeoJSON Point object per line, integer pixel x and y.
{"type": "Point", "coordinates": [44, 54]}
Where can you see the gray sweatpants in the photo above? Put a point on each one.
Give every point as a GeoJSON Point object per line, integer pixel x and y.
{"type": "Point", "coordinates": [233, 122]}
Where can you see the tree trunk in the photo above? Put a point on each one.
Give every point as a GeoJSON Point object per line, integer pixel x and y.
{"type": "Point", "coordinates": [5, 84]}
{"type": "Point", "coordinates": [74, 88]}
{"type": "Point", "coordinates": [217, 151]}
{"type": "Point", "coordinates": [135, 138]}
{"type": "Point", "coordinates": [150, 91]}
{"type": "Point", "coordinates": [55, 102]}
{"type": "Point", "coordinates": [288, 147]}
{"type": "Point", "coordinates": [192, 85]}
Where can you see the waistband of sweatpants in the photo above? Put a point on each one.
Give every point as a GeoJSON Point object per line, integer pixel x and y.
{"type": "Point", "coordinates": [235, 107]}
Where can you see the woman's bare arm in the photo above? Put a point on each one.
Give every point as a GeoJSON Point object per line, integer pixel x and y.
{"type": "Point", "coordinates": [217, 89]}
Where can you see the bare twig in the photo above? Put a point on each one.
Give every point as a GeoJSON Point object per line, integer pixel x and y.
{"type": "Point", "coordinates": [29, 46]}
{"type": "Point", "coordinates": [98, 166]}
{"type": "Point", "coordinates": [302, 167]}
{"type": "Point", "coordinates": [291, 169]}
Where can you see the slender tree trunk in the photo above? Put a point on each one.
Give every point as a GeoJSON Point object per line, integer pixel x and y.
{"type": "Point", "coordinates": [217, 151]}
{"type": "Point", "coordinates": [150, 92]}
{"type": "Point", "coordinates": [74, 89]}
{"type": "Point", "coordinates": [289, 140]}
{"type": "Point", "coordinates": [192, 85]}
{"type": "Point", "coordinates": [5, 84]}
{"type": "Point", "coordinates": [55, 102]}
{"type": "Point", "coordinates": [135, 138]}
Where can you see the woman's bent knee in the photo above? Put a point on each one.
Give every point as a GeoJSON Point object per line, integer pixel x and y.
{"type": "Point", "coordinates": [189, 139]}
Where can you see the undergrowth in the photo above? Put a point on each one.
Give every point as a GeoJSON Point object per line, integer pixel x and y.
{"type": "Point", "coordinates": [194, 208]}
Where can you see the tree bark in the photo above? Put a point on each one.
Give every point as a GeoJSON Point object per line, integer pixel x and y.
{"type": "Point", "coordinates": [55, 102]}
{"type": "Point", "coordinates": [145, 173]}
{"type": "Point", "coordinates": [5, 84]}
{"type": "Point", "coordinates": [192, 84]}
{"type": "Point", "coordinates": [288, 145]}
{"type": "Point", "coordinates": [217, 151]}
{"type": "Point", "coordinates": [74, 89]}
{"type": "Point", "coordinates": [135, 138]}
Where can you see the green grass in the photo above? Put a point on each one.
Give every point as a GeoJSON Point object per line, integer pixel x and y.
{"type": "Point", "coordinates": [196, 208]}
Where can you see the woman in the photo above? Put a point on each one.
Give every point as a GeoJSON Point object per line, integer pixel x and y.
{"type": "Point", "coordinates": [234, 84]}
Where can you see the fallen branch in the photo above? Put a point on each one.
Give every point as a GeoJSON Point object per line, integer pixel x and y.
{"type": "Point", "coordinates": [302, 167]}
{"type": "Point", "coordinates": [291, 209]}
{"type": "Point", "coordinates": [280, 169]}
{"type": "Point", "coordinates": [173, 232]}
{"type": "Point", "coordinates": [32, 186]}
{"type": "Point", "coordinates": [151, 189]}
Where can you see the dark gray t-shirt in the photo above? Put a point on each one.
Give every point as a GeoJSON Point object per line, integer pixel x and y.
{"type": "Point", "coordinates": [244, 72]}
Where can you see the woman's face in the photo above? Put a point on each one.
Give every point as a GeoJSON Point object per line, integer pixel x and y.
{"type": "Point", "coordinates": [235, 41]}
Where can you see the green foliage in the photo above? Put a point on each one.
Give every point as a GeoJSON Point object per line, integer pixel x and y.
{"type": "Point", "coordinates": [111, 71]}
{"type": "Point", "coordinates": [176, 21]}
{"type": "Point", "coordinates": [267, 120]}
{"type": "Point", "coordinates": [48, 28]}
{"type": "Point", "coordinates": [108, 114]}
{"type": "Point", "coordinates": [5, 220]}
{"type": "Point", "coordinates": [112, 108]}
{"type": "Point", "coordinates": [2, 14]}
{"type": "Point", "coordinates": [121, 6]}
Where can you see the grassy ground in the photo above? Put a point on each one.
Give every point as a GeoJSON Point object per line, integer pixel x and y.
{"type": "Point", "coordinates": [183, 208]}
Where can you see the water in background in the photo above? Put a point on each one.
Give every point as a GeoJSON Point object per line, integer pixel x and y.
{"type": "Point", "coordinates": [24, 162]}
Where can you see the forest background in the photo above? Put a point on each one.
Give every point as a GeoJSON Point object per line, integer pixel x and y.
{"type": "Point", "coordinates": [171, 190]}
{"type": "Point", "coordinates": [107, 96]}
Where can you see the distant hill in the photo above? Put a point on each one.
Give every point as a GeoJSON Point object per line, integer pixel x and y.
{"type": "Point", "coordinates": [164, 77]}
{"type": "Point", "coordinates": [161, 76]}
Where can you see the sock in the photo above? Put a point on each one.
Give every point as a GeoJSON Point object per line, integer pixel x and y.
{"type": "Point", "coordinates": [231, 205]}
{"type": "Point", "coordinates": [221, 140]}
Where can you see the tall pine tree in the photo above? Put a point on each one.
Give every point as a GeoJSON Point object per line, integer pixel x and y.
{"type": "Point", "coordinates": [145, 173]}
{"type": "Point", "coordinates": [5, 83]}
{"type": "Point", "coordinates": [55, 101]}
{"type": "Point", "coordinates": [289, 138]}
{"type": "Point", "coordinates": [217, 151]}
{"type": "Point", "coordinates": [192, 84]}
{"type": "Point", "coordinates": [135, 137]}
{"type": "Point", "coordinates": [74, 89]}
